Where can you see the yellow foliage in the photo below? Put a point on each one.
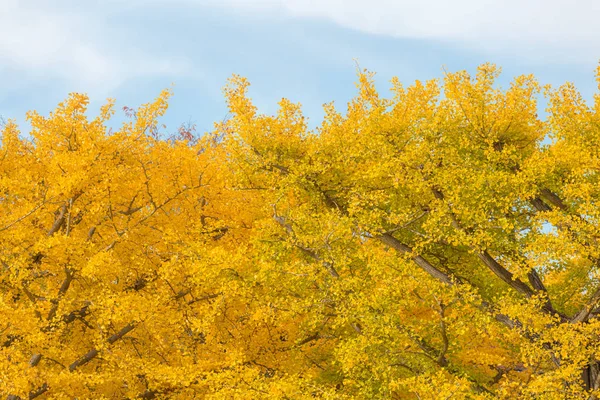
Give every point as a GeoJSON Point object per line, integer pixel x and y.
{"type": "Point", "coordinates": [438, 244]}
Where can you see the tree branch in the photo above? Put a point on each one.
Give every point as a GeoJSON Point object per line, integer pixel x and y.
{"type": "Point", "coordinates": [59, 221]}
{"type": "Point", "coordinates": [400, 247]}
{"type": "Point", "coordinates": [93, 353]}
{"type": "Point", "coordinates": [69, 275]}
{"type": "Point", "coordinates": [504, 274]}
{"type": "Point", "coordinates": [585, 312]}
{"type": "Point", "coordinates": [310, 252]}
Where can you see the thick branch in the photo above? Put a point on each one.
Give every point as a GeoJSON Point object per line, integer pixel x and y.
{"type": "Point", "coordinates": [59, 221]}
{"type": "Point", "coordinates": [35, 360]}
{"type": "Point", "coordinates": [539, 204]}
{"type": "Point", "coordinates": [491, 263]}
{"type": "Point", "coordinates": [36, 393]}
{"type": "Point", "coordinates": [443, 277]}
{"type": "Point", "coordinates": [553, 199]}
{"type": "Point", "coordinates": [584, 313]}
{"type": "Point", "coordinates": [90, 355]}
{"type": "Point", "coordinates": [400, 247]}
{"type": "Point", "coordinates": [504, 274]}
{"type": "Point", "coordinates": [536, 281]}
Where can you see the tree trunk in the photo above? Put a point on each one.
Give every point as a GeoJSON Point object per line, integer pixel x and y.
{"type": "Point", "coordinates": [591, 377]}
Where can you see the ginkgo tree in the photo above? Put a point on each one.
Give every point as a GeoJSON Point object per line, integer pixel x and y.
{"type": "Point", "coordinates": [439, 243]}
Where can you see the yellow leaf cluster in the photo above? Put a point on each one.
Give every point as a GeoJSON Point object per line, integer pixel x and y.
{"type": "Point", "coordinates": [438, 244]}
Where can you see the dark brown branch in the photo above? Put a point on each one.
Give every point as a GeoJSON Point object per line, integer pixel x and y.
{"type": "Point", "coordinates": [539, 205]}
{"type": "Point", "coordinates": [10, 340]}
{"type": "Point", "coordinates": [502, 318]}
{"type": "Point", "coordinates": [516, 283]}
{"type": "Point", "coordinates": [33, 298]}
{"type": "Point", "coordinates": [90, 355]}
{"type": "Point", "coordinates": [36, 393]}
{"type": "Point", "coordinates": [33, 394]}
{"type": "Point", "coordinates": [24, 216]}
{"type": "Point", "coordinates": [553, 199]}
{"type": "Point", "coordinates": [308, 339]}
{"type": "Point", "coordinates": [69, 275]}
{"type": "Point", "coordinates": [405, 366]}
{"type": "Point", "coordinates": [504, 274]}
{"type": "Point", "coordinates": [73, 315]}
{"type": "Point", "coordinates": [130, 211]}
{"type": "Point", "coordinates": [536, 281]}
{"type": "Point", "coordinates": [494, 265]}
{"type": "Point", "coordinates": [585, 312]}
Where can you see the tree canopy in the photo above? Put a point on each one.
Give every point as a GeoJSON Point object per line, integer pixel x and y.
{"type": "Point", "coordinates": [440, 243]}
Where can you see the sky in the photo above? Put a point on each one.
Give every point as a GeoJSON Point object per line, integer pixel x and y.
{"type": "Point", "coordinates": [304, 50]}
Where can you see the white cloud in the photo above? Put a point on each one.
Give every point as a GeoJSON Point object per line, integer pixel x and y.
{"type": "Point", "coordinates": [78, 43]}
{"type": "Point", "coordinates": [565, 30]}
{"type": "Point", "coordinates": [43, 41]}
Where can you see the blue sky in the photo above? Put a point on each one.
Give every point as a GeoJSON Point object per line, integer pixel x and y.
{"type": "Point", "coordinates": [305, 50]}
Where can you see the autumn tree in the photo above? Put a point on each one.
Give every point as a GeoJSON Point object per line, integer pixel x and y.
{"type": "Point", "coordinates": [440, 243]}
